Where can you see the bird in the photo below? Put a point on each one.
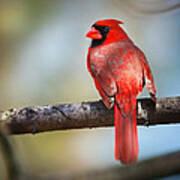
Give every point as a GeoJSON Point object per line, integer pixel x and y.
{"type": "Point", "coordinates": [120, 71]}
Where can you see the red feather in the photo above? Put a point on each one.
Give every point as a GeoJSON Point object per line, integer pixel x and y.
{"type": "Point", "coordinates": [119, 70]}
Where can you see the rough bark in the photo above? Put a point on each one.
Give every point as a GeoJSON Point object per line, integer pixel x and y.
{"type": "Point", "coordinates": [86, 115]}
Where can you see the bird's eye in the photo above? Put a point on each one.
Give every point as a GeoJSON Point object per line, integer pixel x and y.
{"type": "Point", "coordinates": [102, 29]}
{"type": "Point", "coordinates": [106, 28]}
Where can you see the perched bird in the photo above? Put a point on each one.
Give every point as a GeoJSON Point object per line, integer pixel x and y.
{"type": "Point", "coordinates": [120, 71]}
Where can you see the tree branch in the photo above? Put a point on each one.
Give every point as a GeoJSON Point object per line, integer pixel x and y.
{"type": "Point", "coordinates": [158, 167]}
{"type": "Point", "coordinates": [86, 115]}
{"type": "Point", "coordinates": [162, 166]}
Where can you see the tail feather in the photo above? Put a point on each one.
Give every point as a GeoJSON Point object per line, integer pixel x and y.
{"type": "Point", "coordinates": [126, 140]}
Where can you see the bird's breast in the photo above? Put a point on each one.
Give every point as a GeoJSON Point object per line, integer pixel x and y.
{"type": "Point", "coordinates": [99, 56]}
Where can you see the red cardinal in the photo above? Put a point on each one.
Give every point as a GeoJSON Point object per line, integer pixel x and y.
{"type": "Point", "coordinates": [120, 71]}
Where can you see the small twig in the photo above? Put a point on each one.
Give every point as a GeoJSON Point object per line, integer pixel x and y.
{"type": "Point", "coordinates": [86, 115]}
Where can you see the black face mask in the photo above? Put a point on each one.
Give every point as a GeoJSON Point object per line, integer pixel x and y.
{"type": "Point", "coordinates": [104, 31]}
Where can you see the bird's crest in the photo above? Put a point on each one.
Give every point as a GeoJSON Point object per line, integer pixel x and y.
{"type": "Point", "coordinates": [109, 22]}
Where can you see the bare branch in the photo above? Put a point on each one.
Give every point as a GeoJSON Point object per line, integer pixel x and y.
{"type": "Point", "coordinates": [158, 167]}
{"type": "Point", "coordinates": [86, 115]}
{"type": "Point", "coordinates": [161, 166]}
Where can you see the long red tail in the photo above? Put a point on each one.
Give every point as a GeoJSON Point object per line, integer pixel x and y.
{"type": "Point", "coordinates": [126, 140]}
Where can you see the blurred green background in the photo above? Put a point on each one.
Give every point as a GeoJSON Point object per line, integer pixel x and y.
{"type": "Point", "coordinates": [43, 61]}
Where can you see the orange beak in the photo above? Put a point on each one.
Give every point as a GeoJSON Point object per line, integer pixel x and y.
{"type": "Point", "coordinates": [94, 34]}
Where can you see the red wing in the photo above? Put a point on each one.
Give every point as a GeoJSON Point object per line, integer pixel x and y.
{"type": "Point", "coordinates": [148, 78]}
{"type": "Point", "coordinates": [108, 101]}
{"type": "Point", "coordinates": [104, 82]}
{"type": "Point", "coordinates": [106, 86]}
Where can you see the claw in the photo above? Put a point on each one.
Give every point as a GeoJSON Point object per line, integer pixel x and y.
{"type": "Point", "coordinates": [153, 97]}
